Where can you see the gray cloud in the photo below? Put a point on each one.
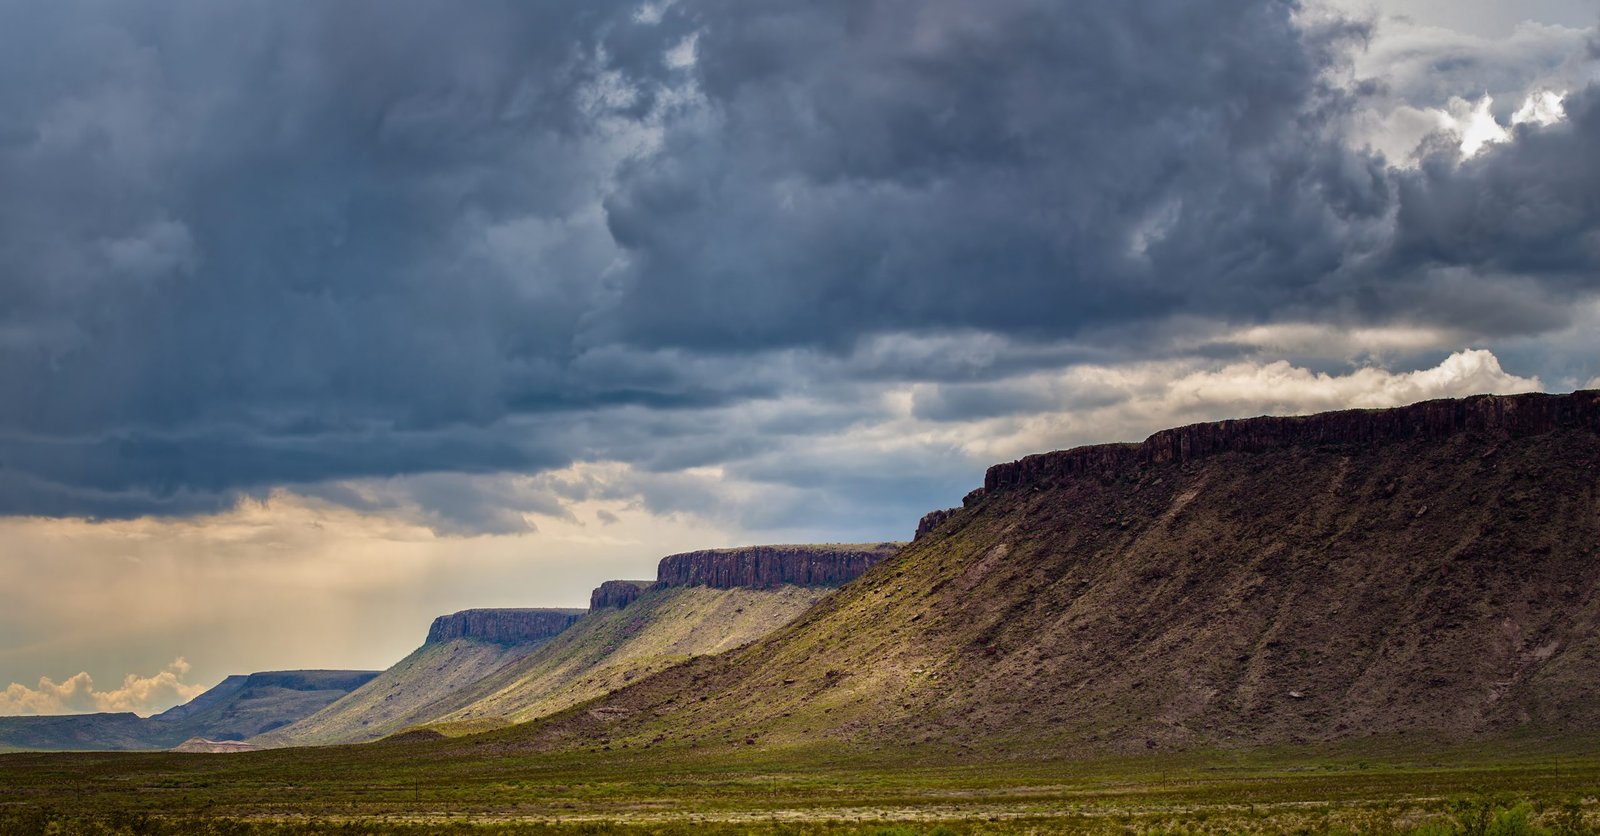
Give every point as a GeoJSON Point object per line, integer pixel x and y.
{"type": "Point", "coordinates": [1029, 168]}
{"type": "Point", "coordinates": [298, 243]}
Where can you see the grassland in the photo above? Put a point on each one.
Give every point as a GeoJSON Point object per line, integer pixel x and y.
{"type": "Point", "coordinates": [429, 786]}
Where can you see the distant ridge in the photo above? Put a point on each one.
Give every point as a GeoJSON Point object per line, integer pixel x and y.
{"type": "Point", "coordinates": [239, 706]}
{"type": "Point", "coordinates": [765, 567]}
{"type": "Point", "coordinates": [1500, 416]}
{"type": "Point", "coordinates": [502, 626]}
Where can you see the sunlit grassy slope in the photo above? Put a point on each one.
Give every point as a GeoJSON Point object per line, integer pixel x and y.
{"type": "Point", "coordinates": [609, 648]}
{"type": "Point", "coordinates": [467, 685]}
{"type": "Point", "coordinates": [402, 696]}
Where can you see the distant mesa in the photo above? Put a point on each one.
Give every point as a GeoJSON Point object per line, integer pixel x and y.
{"type": "Point", "coordinates": [617, 594]}
{"type": "Point", "coordinates": [766, 567]}
{"type": "Point", "coordinates": [750, 567]}
{"type": "Point", "coordinates": [502, 626]}
{"type": "Point", "coordinates": [494, 666]}
{"type": "Point", "coordinates": [238, 707]}
{"type": "Point", "coordinates": [1503, 416]}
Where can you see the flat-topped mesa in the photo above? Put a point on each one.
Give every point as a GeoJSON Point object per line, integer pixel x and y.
{"type": "Point", "coordinates": [502, 626]}
{"type": "Point", "coordinates": [309, 680]}
{"type": "Point", "coordinates": [1498, 416]}
{"type": "Point", "coordinates": [616, 594]}
{"type": "Point", "coordinates": [765, 567]}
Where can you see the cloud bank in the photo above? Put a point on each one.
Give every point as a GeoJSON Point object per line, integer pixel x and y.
{"type": "Point", "coordinates": [325, 247]}
{"type": "Point", "coordinates": [77, 694]}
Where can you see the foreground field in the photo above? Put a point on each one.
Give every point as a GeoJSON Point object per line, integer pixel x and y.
{"type": "Point", "coordinates": [432, 786]}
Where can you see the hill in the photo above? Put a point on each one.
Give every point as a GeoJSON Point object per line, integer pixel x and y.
{"type": "Point", "coordinates": [1431, 571]}
{"type": "Point", "coordinates": [105, 730]}
{"type": "Point", "coordinates": [702, 602]}
{"type": "Point", "coordinates": [610, 648]}
{"type": "Point", "coordinates": [460, 649]}
{"type": "Point", "coordinates": [240, 706]}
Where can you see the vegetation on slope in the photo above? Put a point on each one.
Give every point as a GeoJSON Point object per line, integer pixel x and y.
{"type": "Point", "coordinates": [466, 685]}
{"type": "Point", "coordinates": [402, 696]}
{"type": "Point", "coordinates": [452, 785]}
{"type": "Point", "coordinates": [609, 648]}
{"type": "Point", "coordinates": [1439, 586]}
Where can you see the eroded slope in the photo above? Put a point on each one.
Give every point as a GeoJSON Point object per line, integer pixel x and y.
{"type": "Point", "coordinates": [1430, 571]}
{"type": "Point", "coordinates": [610, 647]}
{"type": "Point", "coordinates": [461, 649]}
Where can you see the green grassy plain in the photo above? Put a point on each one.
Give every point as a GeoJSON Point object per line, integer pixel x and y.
{"type": "Point", "coordinates": [453, 785]}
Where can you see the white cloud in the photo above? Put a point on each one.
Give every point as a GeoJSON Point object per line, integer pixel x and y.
{"type": "Point", "coordinates": [1543, 107]}
{"type": "Point", "coordinates": [1308, 339]}
{"type": "Point", "coordinates": [1097, 404]}
{"type": "Point", "coordinates": [77, 693]}
{"type": "Point", "coordinates": [293, 582]}
{"type": "Point", "coordinates": [1419, 80]}
{"type": "Point", "coordinates": [1474, 123]}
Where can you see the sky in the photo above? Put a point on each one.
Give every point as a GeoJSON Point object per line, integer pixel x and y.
{"type": "Point", "coordinates": [318, 320]}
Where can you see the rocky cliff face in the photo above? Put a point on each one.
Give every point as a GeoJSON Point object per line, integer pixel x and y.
{"type": "Point", "coordinates": [932, 520]}
{"type": "Point", "coordinates": [616, 594]}
{"type": "Point", "coordinates": [764, 567]}
{"type": "Point", "coordinates": [315, 680]}
{"type": "Point", "coordinates": [1493, 416]}
{"type": "Point", "coordinates": [502, 626]}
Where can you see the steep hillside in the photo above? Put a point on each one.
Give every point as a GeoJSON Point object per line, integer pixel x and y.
{"type": "Point", "coordinates": [611, 647]}
{"type": "Point", "coordinates": [237, 708]}
{"type": "Point", "coordinates": [1428, 571]}
{"type": "Point", "coordinates": [701, 602]}
{"type": "Point", "coordinates": [460, 649]}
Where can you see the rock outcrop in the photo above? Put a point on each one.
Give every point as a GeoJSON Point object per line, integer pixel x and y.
{"type": "Point", "coordinates": [200, 745]}
{"type": "Point", "coordinates": [1497, 416]}
{"type": "Point", "coordinates": [502, 626]}
{"type": "Point", "coordinates": [309, 680]}
{"type": "Point", "coordinates": [932, 520]}
{"type": "Point", "coordinates": [616, 594]}
{"type": "Point", "coordinates": [765, 567]}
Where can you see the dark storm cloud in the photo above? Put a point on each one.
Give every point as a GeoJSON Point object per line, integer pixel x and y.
{"type": "Point", "coordinates": [281, 242]}
{"type": "Point", "coordinates": [287, 243]}
{"type": "Point", "coordinates": [1027, 168]}
{"type": "Point", "coordinates": [1529, 207]}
